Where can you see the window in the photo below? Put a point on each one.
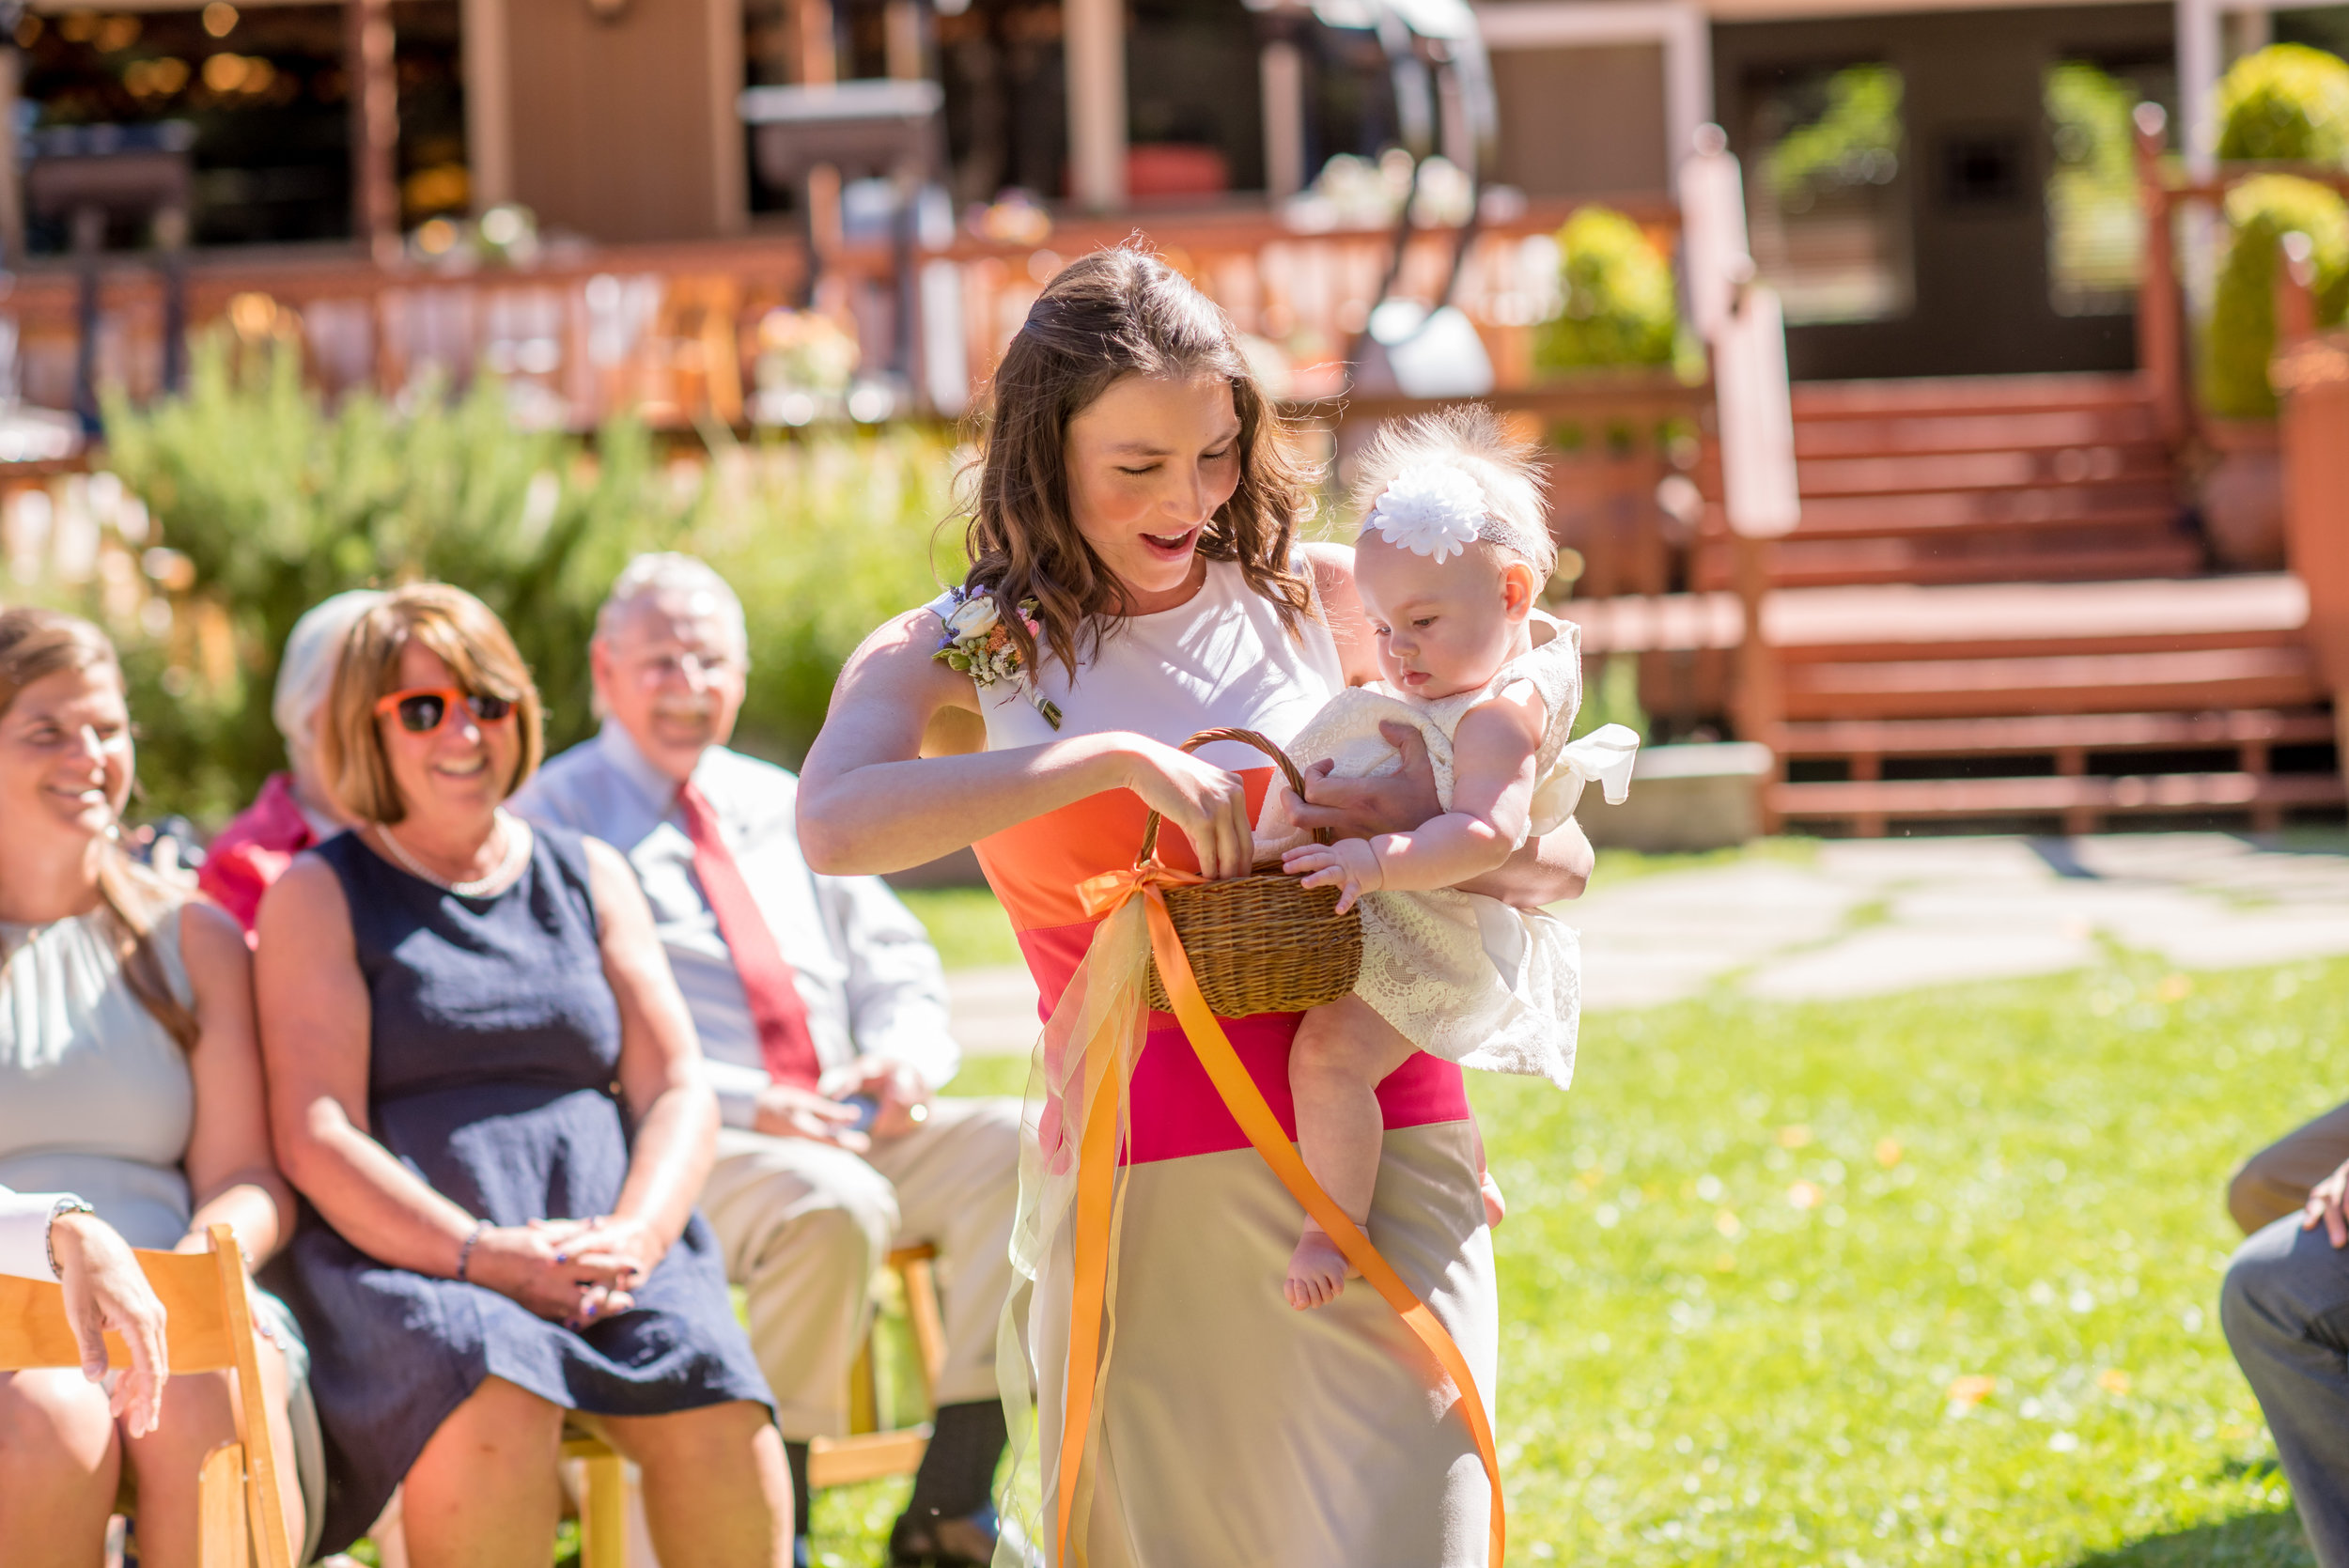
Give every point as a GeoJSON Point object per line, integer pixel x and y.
{"type": "Point", "coordinates": [1826, 200]}
{"type": "Point", "coordinates": [2095, 232]}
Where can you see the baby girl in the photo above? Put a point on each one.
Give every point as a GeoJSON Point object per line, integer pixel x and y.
{"type": "Point", "coordinates": [1452, 553]}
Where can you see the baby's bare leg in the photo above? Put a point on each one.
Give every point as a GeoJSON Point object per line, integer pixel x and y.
{"type": "Point", "coordinates": [1341, 1052]}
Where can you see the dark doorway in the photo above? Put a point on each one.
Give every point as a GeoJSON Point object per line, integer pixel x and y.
{"type": "Point", "coordinates": [1946, 195]}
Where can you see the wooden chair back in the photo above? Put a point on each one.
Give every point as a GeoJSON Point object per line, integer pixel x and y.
{"type": "Point", "coordinates": [208, 1327]}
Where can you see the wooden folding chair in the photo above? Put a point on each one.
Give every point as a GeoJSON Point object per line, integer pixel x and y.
{"type": "Point", "coordinates": [870, 1451]}
{"type": "Point", "coordinates": [209, 1328]}
{"type": "Point", "coordinates": [866, 1454]}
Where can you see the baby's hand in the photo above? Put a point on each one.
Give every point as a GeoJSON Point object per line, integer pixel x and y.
{"type": "Point", "coordinates": [1350, 865]}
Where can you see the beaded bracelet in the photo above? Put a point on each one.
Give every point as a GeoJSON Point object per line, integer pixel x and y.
{"type": "Point", "coordinates": [49, 1233]}
{"type": "Point", "coordinates": [464, 1253]}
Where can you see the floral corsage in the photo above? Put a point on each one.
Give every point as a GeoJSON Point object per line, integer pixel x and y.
{"type": "Point", "coordinates": [977, 643]}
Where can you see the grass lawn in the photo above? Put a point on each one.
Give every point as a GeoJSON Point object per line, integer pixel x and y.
{"type": "Point", "coordinates": [1930, 1280]}
{"type": "Point", "coordinates": [968, 926]}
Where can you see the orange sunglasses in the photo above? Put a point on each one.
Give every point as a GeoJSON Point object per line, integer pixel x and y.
{"type": "Point", "coordinates": [424, 708]}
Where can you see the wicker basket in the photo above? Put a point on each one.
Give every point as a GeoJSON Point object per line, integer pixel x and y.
{"type": "Point", "coordinates": [1262, 943]}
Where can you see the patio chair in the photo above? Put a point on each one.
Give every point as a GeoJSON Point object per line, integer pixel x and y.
{"type": "Point", "coordinates": [208, 1329]}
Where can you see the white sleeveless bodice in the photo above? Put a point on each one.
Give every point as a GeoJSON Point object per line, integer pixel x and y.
{"type": "Point", "coordinates": [1222, 660]}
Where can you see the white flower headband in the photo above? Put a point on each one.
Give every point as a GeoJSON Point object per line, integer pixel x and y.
{"type": "Point", "coordinates": [1433, 509]}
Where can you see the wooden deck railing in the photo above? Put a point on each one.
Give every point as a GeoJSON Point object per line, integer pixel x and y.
{"type": "Point", "coordinates": [1622, 451]}
{"type": "Point", "coordinates": [673, 330]}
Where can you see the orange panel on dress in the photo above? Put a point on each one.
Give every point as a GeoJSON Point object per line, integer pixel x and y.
{"type": "Point", "coordinates": [1035, 868]}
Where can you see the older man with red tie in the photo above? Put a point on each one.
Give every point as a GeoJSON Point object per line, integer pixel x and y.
{"type": "Point", "coordinates": [822, 1010]}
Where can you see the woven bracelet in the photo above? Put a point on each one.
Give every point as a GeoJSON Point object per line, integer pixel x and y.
{"type": "Point", "coordinates": [464, 1253]}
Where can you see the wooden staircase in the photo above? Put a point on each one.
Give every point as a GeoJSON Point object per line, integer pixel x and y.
{"type": "Point", "coordinates": [1995, 615]}
{"type": "Point", "coordinates": [1977, 479]}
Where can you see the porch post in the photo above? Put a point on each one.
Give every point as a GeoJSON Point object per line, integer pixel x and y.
{"type": "Point", "coordinates": [12, 189]}
{"type": "Point", "coordinates": [1282, 71]}
{"type": "Point", "coordinates": [488, 104]}
{"type": "Point", "coordinates": [2312, 377]}
{"type": "Point", "coordinates": [2198, 51]}
{"type": "Point", "coordinates": [1092, 53]}
{"type": "Point", "coordinates": [368, 41]}
{"type": "Point", "coordinates": [2160, 346]}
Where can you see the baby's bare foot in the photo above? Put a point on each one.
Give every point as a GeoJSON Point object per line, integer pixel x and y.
{"type": "Point", "coordinates": [1496, 1206]}
{"type": "Point", "coordinates": [1317, 1270]}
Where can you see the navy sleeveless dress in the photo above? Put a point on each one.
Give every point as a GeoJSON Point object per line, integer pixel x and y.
{"type": "Point", "coordinates": [495, 1040]}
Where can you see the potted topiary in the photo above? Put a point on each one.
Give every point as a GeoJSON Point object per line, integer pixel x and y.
{"type": "Point", "coordinates": [2286, 104]}
{"type": "Point", "coordinates": [1617, 314]}
{"type": "Point", "coordinates": [1616, 304]}
{"type": "Point", "coordinates": [2243, 489]}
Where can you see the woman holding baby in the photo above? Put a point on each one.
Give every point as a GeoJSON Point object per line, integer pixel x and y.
{"type": "Point", "coordinates": [1133, 488]}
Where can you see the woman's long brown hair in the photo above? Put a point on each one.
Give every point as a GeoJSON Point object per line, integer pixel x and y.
{"type": "Point", "coordinates": [1109, 314]}
{"type": "Point", "coordinates": [34, 644]}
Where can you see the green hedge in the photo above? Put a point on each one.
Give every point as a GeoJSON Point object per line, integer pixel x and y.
{"type": "Point", "coordinates": [275, 499]}
{"type": "Point", "coordinates": [2286, 104]}
{"type": "Point", "coordinates": [2241, 335]}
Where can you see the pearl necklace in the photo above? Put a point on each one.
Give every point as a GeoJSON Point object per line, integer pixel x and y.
{"type": "Point", "coordinates": [509, 859]}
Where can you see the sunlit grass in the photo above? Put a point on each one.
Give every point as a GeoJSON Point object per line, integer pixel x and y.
{"type": "Point", "coordinates": [1929, 1280]}
{"type": "Point", "coordinates": [968, 926]}
{"type": "Point", "coordinates": [1926, 1280]}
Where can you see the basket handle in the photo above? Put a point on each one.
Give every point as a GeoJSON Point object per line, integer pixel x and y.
{"type": "Point", "coordinates": [1250, 738]}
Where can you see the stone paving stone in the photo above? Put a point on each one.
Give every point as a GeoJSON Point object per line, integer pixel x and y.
{"type": "Point", "coordinates": [1885, 958]}
{"type": "Point", "coordinates": [1867, 916]}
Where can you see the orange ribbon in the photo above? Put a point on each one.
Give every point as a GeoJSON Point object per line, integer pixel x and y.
{"type": "Point", "coordinates": [1097, 1169]}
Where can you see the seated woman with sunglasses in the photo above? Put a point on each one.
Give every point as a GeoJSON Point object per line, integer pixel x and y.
{"type": "Point", "coordinates": [486, 1087]}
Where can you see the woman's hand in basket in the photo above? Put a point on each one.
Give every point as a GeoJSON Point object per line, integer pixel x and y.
{"type": "Point", "coordinates": [1208, 803]}
{"type": "Point", "coordinates": [1350, 865]}
{"type": "Point", "coordinates": [1364, 808]}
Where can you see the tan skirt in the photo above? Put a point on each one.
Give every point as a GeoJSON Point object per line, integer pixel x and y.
{"type": "Point", "coordinates": [1237, 1432]}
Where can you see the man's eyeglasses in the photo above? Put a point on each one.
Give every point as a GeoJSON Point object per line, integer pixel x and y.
{"type": "Point", "coordinates": [423, 709]}
{"type": "Point", "coordinates": [660, 669]}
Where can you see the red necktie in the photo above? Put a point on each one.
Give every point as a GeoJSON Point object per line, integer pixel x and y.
{"type": "Point", "coordinates": [785, 1044]}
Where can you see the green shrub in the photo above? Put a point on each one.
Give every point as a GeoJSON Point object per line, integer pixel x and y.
{"type": "Point", "coordinates": [824, 539]}
{"type": "Point", "coordinates": [2287, 103]}
{"type": "Point", "coordinates": [275, 501]}
{"type": "Point", "coordinates": [2241, 336]}
{"type": "Point", "coordinates": [1619, 305]}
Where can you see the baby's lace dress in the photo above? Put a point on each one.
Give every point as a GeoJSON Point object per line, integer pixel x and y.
{"type": "Point", "coordinates": [1463, 976]}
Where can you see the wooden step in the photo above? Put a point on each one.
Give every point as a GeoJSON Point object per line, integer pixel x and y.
{"type": "Point", "coordinates": [2084, 683]}
{"type": "Point", "coordinates": [1964, 396]}
{"type": "Point", "coordinates": [1824, 564]}
{"type": "Point", "coordinates": [1906, 473]}
{"type": "Point", "coordinates": [2147, 504]}
{"type": "Point", "coordinates": [2043, 429]}
{"type": "Point", "coordinates": [2250, 603]}
{"type": "Point", "coordinates": [2047, 797]}
{"type": "Point", "coordinates": [2050, 641]}
{"type": "Point", "coordinates": [2039, 735]}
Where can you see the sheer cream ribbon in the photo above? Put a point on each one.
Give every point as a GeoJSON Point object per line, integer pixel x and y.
{"type": "Point", "coordinates": [1081, 1065]}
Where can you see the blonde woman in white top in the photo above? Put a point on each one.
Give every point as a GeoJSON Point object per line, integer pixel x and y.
{"type": "Point", "coordinates": [130, 1075]}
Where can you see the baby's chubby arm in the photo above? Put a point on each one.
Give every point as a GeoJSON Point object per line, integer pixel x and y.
{"type": "Point", "coordinates": [1492, 796]}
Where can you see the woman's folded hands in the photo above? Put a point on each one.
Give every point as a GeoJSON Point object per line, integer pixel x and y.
{"type": "Point", "coordinates": [575, 1272]}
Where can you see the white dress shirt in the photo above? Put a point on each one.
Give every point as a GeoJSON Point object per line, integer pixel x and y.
{"type": "Point", "coordinates": [871, 979]}
{"type": "Point", "coordinates": [25, 1232]}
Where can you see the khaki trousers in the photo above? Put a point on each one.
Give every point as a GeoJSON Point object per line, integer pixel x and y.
{"type": "Point", "coordinates": [2275, 1181]}
{"type": "Point", "coordinates": [803, 1225]}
